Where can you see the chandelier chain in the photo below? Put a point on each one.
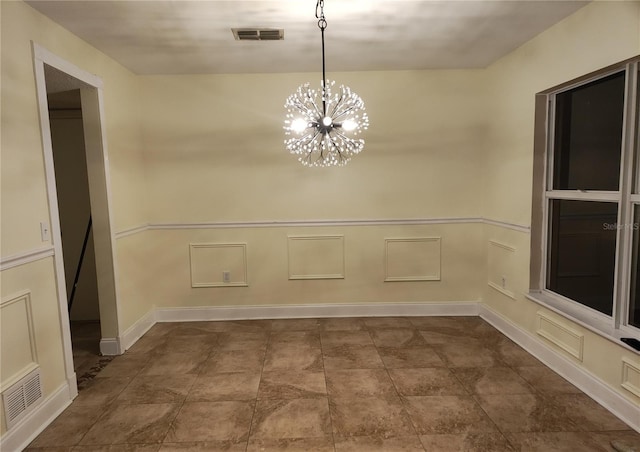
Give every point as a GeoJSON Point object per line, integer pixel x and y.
{"type": "Point", "coordinates": [322, 24]}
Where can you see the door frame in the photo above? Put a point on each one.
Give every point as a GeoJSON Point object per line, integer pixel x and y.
{"type": "Point", "coordinates": [91, 89]}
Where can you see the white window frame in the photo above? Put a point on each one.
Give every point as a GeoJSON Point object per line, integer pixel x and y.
{"type": "Point", "coordinates": [617, 325]}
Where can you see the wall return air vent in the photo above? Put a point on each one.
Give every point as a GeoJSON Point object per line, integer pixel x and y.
{"type": "Point", "coordinates": [258, 34]}
{"type": "Point", "coordinates": [21, 397]}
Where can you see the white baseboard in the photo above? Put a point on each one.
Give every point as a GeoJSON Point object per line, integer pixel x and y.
{"type": "Point", "coordinates": [190, 314]}
{"type": "Point", "coordinates": [591, 385]}
{"type": "Point", "coordinates": [137, 330]}
{"type": "Point", "coordinates": [20, 435]}
{"type": "Point", "coordinates": [110, 346]}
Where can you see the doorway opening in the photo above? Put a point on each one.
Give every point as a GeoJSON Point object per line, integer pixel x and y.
{"type": "Point", "coordinates": [70, 103]}
{"type": "Point", "coordinates": [74, 207]}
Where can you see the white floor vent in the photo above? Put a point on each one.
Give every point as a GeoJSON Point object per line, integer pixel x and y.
{"type": "Point", "coordinates": [22, 397]}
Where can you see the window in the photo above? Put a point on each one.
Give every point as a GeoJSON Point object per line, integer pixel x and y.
{"type": "Point", "coordinates": [585, 224]}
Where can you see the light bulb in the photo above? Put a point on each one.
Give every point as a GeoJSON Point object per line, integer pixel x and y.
{"type": "Point", "coordinates": [298, 125]}
{"type": "Point", "coordinates": [327, 121]}
{"type": "Point", "coordinates": [349, 125]}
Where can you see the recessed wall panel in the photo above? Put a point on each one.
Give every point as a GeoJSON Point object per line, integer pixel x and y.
{"type": "Point", "coordinates": [19, 354]}
{"type": "Point", "coordinates": [561, 334]}
{"type": "Point", "coordinates": [412, 259]}
{"type": "Point", "coordinates": [631, 376]}
{"type": "Point", "coordinates": [500, 268]}
{"type": "Point", "coordinates": [316, 257]}
{"type": "Point", "coordinates": [218, 264]}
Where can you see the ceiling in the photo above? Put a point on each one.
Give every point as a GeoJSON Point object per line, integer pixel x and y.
{"type": "Point", "coordinates": [194, 37]}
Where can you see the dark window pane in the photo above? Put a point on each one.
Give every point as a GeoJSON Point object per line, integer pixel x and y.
{"type": "Point", "coordinates": [582, 250]}
{"type": "Point", "coordinates": [634, 295]}
{"type": "Point", "coordinates": [588, 135]}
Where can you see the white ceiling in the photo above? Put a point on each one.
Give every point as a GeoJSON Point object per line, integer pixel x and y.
{"type": "Point", "coordinates": [194, 37]}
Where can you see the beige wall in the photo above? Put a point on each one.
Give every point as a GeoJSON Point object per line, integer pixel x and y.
{"type": "Point", "coordinates": [214, 153]}
{"type": "Point", "coordinates": [198, 149]}
{"type": "Point", "coordinates": [596, 36]}
{"type": "Point", "coordinates": [215, 149]}
{"type": "Point", "coordinates": [23, 186]}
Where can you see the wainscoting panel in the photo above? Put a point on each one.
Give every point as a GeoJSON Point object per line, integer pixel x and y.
{"type": "Point", "coordinates": [412, 259]}
{"type": "Point", "coordinates": [561, 335]}
{"type": "Point", "coordinates": [19, 355]}
{"type": "Point", "coordinates": [218, 264]}
{"type": "Point", "coordinates": [316, 257]}
{"type": "Point", "coordinates": [631, 376]}
{"type": "Point", "coordinates": [500, 268]}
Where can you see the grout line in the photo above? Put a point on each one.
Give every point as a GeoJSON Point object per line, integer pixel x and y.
{"type": "Point", "coordinates": [255, 402]}
{"type": "Point", "coordinates": [326, 389]}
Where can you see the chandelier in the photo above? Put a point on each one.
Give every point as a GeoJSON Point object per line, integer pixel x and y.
{"type": "Point", "coordinates": [324, 123]}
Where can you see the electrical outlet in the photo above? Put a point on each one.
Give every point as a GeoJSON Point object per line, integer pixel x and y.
{"type": "Point", "coordinates": [226, 277]}
{"type": "Point", "coordinates": [44, 231]}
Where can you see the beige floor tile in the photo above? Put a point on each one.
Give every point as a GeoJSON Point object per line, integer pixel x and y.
{"type": "Point", "coordinates": [378, 444]}
{"type": "Point", "coordinates": [545, 380]}
{"type": "Point", "coordinates": [256, 340]}
{"type": "Point", "coordinates": [388, 322]}
{"type": "Point", "coordinates": [553, 441]}
{"type": "Point", "coordinates": [447, 415]}
{"type": "Point", "coordinates": [291, 418]}
{"type": "Point", "coordinates": [205, 446]}
{"type": "Point", "coordinates": [308, 338]}
{"type": "Point", "coordinates": [359, 383]}
{"type": "Point", "coordinates": [426, 381]}
{"type": "Point", "coordinates": [69, 428]}
{"type": "Point", "coordinates": [370, 416]}
{"type": "Point", "coordinates": [49, 449]}
{"type": "Point", "coordinates": [175, 363]}
{"type": "Point", "coordinates": [468, 355]}
{"type": "Point", "coordinates": [324, 444]}
{"type": "Point", "coordinates": [352, 357]}
{"type": "Point", "coordinates": [342, 324]}
{"type": "Point", "coordinates": [127, 365]}
{"type": "Point", "coordinates": [102, 391]}
{"type": "Point", "coordinates": [248, 326]}
{"type": "Point", "coordinates": [196, 386]}
{"type": "Point", "coordinates": [212, 421]}
{"type": "Point", "coordinates": [625, 438]}
{"type": "Point", "coordinates": [449, 336]}
{"type": "Point", "coordinates": [399, 358]}
{"type": "Point", "coordinates": [339, 338]}
{"type": "Point", "coordinates": [295, 325]}
{"type": "Point", "coordinates": [147, 344]}
{"type": "Point", "coordinates": [225, 386]}
{"type": "Point", "coordinates": [526, 413]}
{"type": "Point", "coordinates": [468, 442]}
{"type": "Point", "coordinates": [397, 337]}
{"type": "Point", "coordinates": [492, 380]}
{"type": "Point", "coordinates": [293, 357]}
{"type": "Point", "coordinates": [225, 361]}
{"type": "Point", "coordinates": [292, 384]}
{"type": "Point", "coordinates": [157, 389]}
{"type": "Point", "coordinates": [119, 448]}
{"type": "Point", "coordinates": [143, 423]}
{"type": "Point", "coordinates": [587, 413]}
{"type": "Point", "coordinates": [197, 329]}
{"type": "Point", "coordinates": [201, 344]}
{"type": "Point", "coordinates": [513, 355]}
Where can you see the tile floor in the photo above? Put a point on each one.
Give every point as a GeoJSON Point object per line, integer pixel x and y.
{"type": "Point", "coordinates": [345, 384]}
{"type": "Point", "coordinates": [85, 342]}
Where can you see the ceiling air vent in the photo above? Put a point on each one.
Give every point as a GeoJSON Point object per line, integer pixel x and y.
{"type": "Point", "coordinates": [258, 34]}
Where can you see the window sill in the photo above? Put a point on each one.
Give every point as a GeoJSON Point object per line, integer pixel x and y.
{"type": "Point", "coordinates": [583, 318]}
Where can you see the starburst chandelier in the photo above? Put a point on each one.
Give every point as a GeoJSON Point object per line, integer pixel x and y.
{"type": "Point", "coordinates": [323, 123]}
